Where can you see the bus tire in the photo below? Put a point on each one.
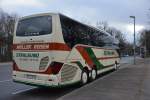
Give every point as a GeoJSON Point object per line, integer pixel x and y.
{"type": "Point", "coordinates": [84, 77]}
{"type": "Point", "coordinates": [116, 66]}
{"type": "Point", "coordinates": [93, 74]}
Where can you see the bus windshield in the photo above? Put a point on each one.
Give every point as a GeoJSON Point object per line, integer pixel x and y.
{"type": "Point", "coordinates": [34, 26]}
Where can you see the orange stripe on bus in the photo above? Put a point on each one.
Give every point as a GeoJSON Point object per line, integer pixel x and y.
{"type": "Point", "coordinates": [41, 46]}
{"type": "Point", "coordinates": [59, 46]}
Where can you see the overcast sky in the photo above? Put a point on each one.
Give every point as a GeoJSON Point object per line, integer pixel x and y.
{"type": "Point", "coordinates": [115, 12]}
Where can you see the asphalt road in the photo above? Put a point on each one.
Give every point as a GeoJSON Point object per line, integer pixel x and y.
{"type": "Point", "coordinates": [14, 91]}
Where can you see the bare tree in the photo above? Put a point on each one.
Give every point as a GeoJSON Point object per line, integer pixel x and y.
{"type": "Point", "coordinates": [117, 34]}
{"type": "Point", "coordinates": [111, 30]}
{"type": "Point", "coordinates": [102, 25]}
{"type": "Point", "coordinates": [7, 23]}
{"type": "Point", "coordinates": [145, 40]}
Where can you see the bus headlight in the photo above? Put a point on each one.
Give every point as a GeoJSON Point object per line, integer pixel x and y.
{"type": "Point", "coordinates": [43, 63]}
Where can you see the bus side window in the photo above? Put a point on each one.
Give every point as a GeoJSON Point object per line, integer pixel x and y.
{"type": "Point", "coordinates": [77, 33]}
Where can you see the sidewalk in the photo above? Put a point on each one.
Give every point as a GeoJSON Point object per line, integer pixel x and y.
{"type": "Point", "coordinates": [129, 83]}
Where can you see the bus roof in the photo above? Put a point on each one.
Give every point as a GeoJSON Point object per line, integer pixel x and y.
{"type": "Point", "coordinates": [40, 14]}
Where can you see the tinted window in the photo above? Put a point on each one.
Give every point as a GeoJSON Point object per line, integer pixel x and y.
{"type": "Point", "coordinates": [77, 33]}
{"type": "Point", "coordinates": [34, 26]}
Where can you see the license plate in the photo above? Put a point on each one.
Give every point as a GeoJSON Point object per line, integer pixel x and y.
{"type": "Point", "coordinates": [31, 76]}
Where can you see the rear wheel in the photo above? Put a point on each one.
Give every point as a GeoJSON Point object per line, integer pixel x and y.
{"type": "Point", "coordinates": [116, 66]}
{"type": "Point", "coordinates": [84, 77]}
{"type": "Point", "coordinates": [93, 74]}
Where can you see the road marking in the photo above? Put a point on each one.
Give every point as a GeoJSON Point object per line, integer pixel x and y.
{"type": "Point", "coordinates": [20, 91]}
{"type": "Point", "coordinates": [5, 80]}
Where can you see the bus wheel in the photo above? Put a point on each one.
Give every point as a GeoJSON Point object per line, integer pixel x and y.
{"type": "Point", "coordinates": [116, 66]}
{"type": "Point", "coordinates": [84, 77]}
{"type": "Point", "coordinates": [93, 74]}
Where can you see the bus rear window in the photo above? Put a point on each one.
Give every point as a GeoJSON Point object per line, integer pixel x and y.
{"type": "Point", "coordinates": [34, 26]}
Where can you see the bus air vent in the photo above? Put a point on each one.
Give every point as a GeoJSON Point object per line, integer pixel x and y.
{"type": "Point", "coordinates": [68, 72]}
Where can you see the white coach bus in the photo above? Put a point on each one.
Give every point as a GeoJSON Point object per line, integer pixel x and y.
{"type": "Point", "coordinates": [52, 49]}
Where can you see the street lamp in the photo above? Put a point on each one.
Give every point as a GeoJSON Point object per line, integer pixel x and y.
{"type": "Point", "coordinates": [145, 45]}
{"type": "Point", "coordinates": [134, 36]}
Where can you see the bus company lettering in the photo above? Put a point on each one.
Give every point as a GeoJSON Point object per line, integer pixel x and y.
{"type": "Point", "coordinates": [41, 46]}
{"type": "Point", "coordinates": [24, 47]}
{"type": "Point", "coordinates": [32, 46]}
{"type": "Point", "coordinates": [108, 53]}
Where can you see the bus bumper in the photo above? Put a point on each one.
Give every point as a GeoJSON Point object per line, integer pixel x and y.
{"type": "Point", "coordinates": [36, 79]}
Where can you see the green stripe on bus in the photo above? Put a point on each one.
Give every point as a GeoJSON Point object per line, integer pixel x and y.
{"type": "Point", "coordinates": [93, 57]}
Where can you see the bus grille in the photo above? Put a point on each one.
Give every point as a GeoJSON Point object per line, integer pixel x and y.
{"type": "Point", "coordinates": [68, 72]}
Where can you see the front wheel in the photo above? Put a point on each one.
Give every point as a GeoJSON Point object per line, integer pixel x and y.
{"type": "Point", "coordinates": [116, 66]}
